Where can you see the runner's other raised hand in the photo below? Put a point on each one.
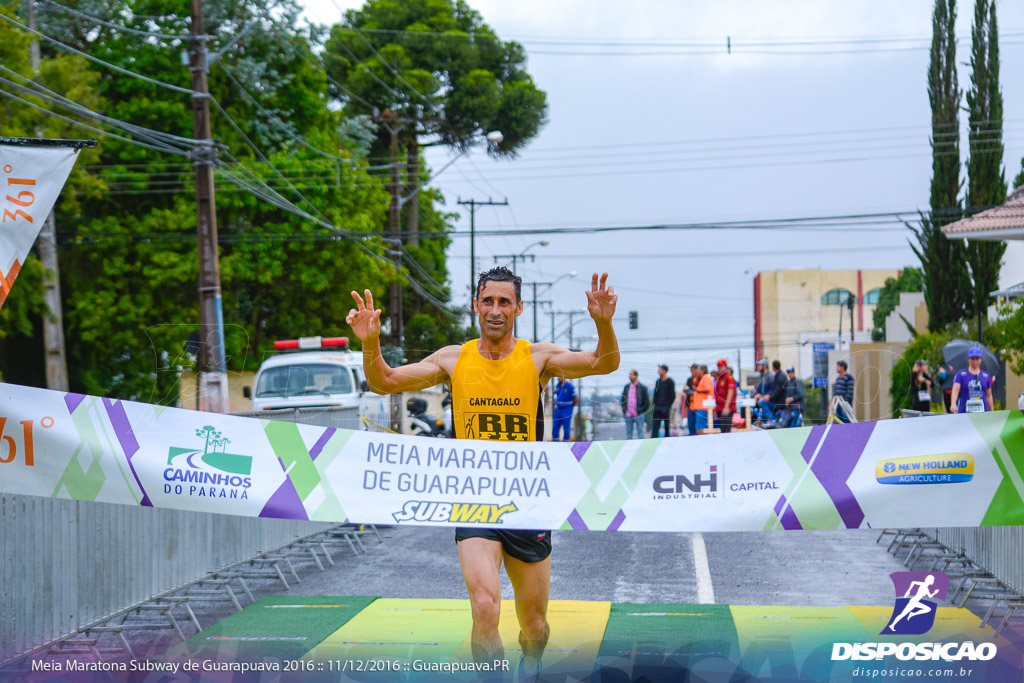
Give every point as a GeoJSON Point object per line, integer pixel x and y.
{"type": "Point", "coordinates": [365, 321]}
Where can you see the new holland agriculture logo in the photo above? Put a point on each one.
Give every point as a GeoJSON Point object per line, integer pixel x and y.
{"type": "Point", "coordinates": [949, 468]}
{"type": "Point", "coordinates": [914, 614]}
{"type": "Point", "coordinates": [461, 513]}
{"type": "Point", "coordinates": [209, 471]}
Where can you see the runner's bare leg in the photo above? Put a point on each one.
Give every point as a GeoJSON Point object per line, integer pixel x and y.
{"type": "Point", "coordinates": [532, 584]}
{"type": "Point", "coordinates": [480, 559]}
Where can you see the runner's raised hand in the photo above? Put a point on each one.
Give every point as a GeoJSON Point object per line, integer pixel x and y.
{"type": "Point", "coordinates": [365, 321]}
{"type": "Point", "coordinates": [601, 301]}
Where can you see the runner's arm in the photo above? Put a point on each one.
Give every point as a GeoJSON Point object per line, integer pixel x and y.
{"type": "Point", "coordinates": [988, 397]}
{"type": "Point", "coordinates": [558, 361]}
{"type": "Point", "coordinates": [954, 396]}
{"type": "Point", "coordinates": [383, 379]}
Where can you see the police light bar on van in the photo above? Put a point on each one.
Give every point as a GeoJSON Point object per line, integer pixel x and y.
{"type": "Point", "coordinates": [311, 343]}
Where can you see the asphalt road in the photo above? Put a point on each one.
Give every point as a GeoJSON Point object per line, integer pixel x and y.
{"type": "Point", "coordinates": [811, 568]}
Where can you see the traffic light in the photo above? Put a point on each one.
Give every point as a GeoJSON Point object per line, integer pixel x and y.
{"type": "Point", "coordinates": [633, 321]}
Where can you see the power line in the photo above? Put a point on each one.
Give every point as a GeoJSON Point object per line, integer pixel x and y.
{"type": "Point", "coordinates": [95, 60]}
{"type": "Point", "coordinates": [385, 62]}
{"type": "Point", "coordinates": [96, 20]}
{"type": "Point", "coordinates": [276, 120]}
{"type": "Point", "coordinates": [37, 90]}
{"type": "Point", "coordinates": [91, 128]}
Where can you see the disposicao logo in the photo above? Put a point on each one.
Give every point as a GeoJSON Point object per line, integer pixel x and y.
{"type": "Point", "coordinates": [462, 513]}
{"type": "Point", "coordinates": [948, 468]}
{"type": "Point", "coordinates": [914, 614]}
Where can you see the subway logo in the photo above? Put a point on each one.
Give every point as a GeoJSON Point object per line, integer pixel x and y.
{"type": "Point", "coordinates": [947, 468]}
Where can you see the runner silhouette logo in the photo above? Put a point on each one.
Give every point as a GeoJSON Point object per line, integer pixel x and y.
{"type": "Point", "coordinates": [917, 594]}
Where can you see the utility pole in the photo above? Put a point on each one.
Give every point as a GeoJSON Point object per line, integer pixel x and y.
{"type": "Point", "coordinates": [534, 303]}
{"type": "Point", "coordinates": [395, 227]}
{"type": "Point", "coordinates": [53, 323]}
{"type": "Point", "coordinates": [849, 305]}
{"type": "Point", "coordinates": [213, 380]}
{"type": "Point", "coordinates": [473, 204]}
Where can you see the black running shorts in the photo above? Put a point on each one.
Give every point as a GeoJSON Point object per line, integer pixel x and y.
{"type": "Point", "coordinates": [525, 546]}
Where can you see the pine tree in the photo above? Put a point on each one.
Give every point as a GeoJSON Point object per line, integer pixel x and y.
{"type": "Point", "coordinates": [986, 181]}
{"type": "Point", "coordinates": [947, 283]}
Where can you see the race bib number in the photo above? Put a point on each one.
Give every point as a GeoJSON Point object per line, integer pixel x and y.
{"type": "Point", "coordinates": [975, 405]}
{"type": "Point", "coordinates": [924, 396]}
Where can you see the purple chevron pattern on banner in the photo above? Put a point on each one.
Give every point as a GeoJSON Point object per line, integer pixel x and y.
{"type": "Point", "coordinates": [126, 437]}
{"type": "Point", "coordinates": [844, 444]}
{"type": "Point", "coordinates": [73, 401]}
{"type": "Point", "coordinates": [579, 449]}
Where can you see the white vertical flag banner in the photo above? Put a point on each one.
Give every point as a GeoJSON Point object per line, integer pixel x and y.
{"type": "Point", "coordinates": [31, 178]}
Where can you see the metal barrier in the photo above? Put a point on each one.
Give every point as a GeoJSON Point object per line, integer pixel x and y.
{"type": "Point", "coordinates": [65, 564]}
{"type": "Point", "coordinates": [999, 549]}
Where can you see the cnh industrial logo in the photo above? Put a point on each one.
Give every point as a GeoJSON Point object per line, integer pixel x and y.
{"type": "Point", "coordinates": [672, 486]}
{"type": "Point", "coordinates": [914, 613]}
{"type": "Point", "coordinates": [209, 471]}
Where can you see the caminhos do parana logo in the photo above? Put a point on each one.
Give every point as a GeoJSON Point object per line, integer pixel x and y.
{"type": "Point", "coordinates": [947, 468]}
{"type": "Point", "coordinates": [208, 471]}
{"type": "Point", "coordinates": [460, 513]}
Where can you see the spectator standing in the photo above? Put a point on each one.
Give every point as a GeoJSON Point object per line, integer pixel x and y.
{"type": "Point", "coordinates": [565, 399]}
{"type": "Point", "coordinates": [664, 397]}
{"type": "Point", "coordinates": [704, 389]}
{"type": "Point", "coordinates": [843, 388]}
{"type": "Point", "coordinates": [635, 403]}
{"type": "Point", "coordinates": [725, 398]}
{"type": "Point", "coordinates": [778, 395]}
{"type": "Point", "coordinates": [688, 393]}
{"type": "Point", "coordinates": [921, 388]}
{"type": "Point", "coordinates": [794, 399]}
{"type": "Point", "coordinates": [972, 388]}
{"type": "Point", "coordinates": [763, 390]}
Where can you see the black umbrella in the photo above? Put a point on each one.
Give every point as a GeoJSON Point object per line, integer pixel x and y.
{"type": "Point", "coordinates": [955, 353]}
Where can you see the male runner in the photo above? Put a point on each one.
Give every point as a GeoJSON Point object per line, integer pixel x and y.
{"type": "Point", "coordinates": [497, 366]}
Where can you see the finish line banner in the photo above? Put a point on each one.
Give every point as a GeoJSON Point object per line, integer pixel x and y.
{"type": "Point", "coordinates": [958, 470]}
{"type": "Point", "coordinates": [31, 181]}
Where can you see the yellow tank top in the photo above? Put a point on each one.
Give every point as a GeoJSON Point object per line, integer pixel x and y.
{"type": "Point", "coordinates": [496, 399]}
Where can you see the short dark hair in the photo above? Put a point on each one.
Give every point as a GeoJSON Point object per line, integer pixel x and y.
{"type": "Point", "coordinates": [500, 274]}
{"type": "Point", "coordinates": [664, 367]}
{"type": "Point", "coordinates": [843, 365]}
{"type": "Point", "coordinates": [776, 365]}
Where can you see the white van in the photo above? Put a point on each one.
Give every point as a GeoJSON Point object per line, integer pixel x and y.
{"type": "Point", "coordinates": [315, 372]}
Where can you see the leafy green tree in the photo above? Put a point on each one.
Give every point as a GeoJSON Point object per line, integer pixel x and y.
{"type": "Point", "coordinates": [947, 282]}
{"type": "Point", "coordinates": [910, 280]}
{"type": "Point", "coordinates": [1007, 335]}
{"type": "Point", "coordinates": [128, 256]}
{"type": "Point", "coordinates": [1019, 180]}
{"type": "Point", "coordinates": [986, 181]}
{"type": "Point", "coordinates": [433, 73]}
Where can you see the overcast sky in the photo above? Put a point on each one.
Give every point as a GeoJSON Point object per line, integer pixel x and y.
{"type": "Point", "coordinates": [682, 134]}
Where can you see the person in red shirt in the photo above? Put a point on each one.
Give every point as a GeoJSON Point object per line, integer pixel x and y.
{"type": "Point", "coordinates": [725, 398]}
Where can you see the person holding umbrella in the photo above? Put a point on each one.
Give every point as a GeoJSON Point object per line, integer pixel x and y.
{"type": "Point", "coordinates": [972, 388]}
